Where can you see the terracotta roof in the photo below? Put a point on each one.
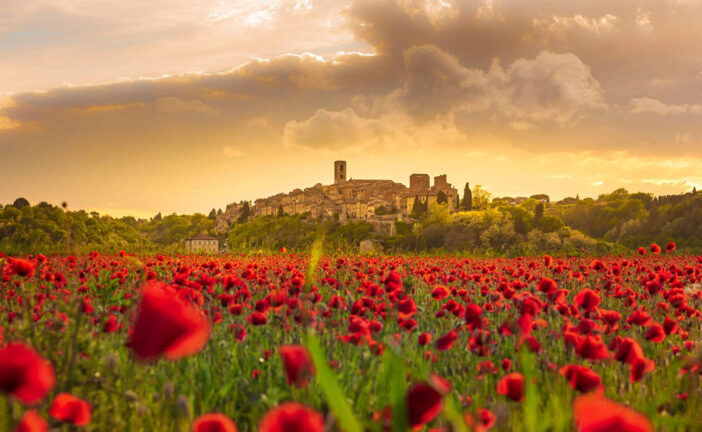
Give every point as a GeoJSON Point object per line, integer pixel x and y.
{"type": "Point", "coordinates": [203, 237]}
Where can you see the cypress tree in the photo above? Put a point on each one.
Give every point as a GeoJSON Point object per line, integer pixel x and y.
{"type": "Point", "coordinates": [245, 213]}
{"type": "Point", "coordinates": [538, 213]}
{"type": "Point", "coordinates": [467, 202]}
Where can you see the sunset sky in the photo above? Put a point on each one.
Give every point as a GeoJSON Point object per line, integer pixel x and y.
{"type": "Point", "coordinates": [135, 107]}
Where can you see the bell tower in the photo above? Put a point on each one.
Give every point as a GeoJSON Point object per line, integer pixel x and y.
{"type": "Point", "coordinates": [339, 172]}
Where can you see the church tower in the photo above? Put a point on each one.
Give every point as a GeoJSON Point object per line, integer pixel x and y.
{"type": "Point", "coordinates": [339, 172]}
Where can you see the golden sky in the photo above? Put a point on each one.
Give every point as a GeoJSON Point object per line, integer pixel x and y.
{"type": "Point", "coordinates": [134, 107]}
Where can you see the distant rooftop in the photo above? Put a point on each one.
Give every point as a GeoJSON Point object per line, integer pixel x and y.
{"type": "Point", "coordinates": [203, 237]}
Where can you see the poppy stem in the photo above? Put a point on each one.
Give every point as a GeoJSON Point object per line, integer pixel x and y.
{"type": "Point", "coordinates": [7, 413]}
{"type": "Point", "coordinates": [72, 352]}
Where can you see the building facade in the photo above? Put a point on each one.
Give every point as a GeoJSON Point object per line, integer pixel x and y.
{"type": "Point", "coordinates": [202, 243]}
{"type": "Point", "coordinates": [349, 199]}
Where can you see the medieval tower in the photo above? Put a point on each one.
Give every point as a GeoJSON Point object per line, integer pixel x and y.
{"type": "Point", "coordinates": [339, 172]}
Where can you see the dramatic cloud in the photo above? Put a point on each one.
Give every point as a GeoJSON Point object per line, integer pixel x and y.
{"type": "Point", "coordinates": [335, 130]}
{"type": "Point", "coordinates": [548, 87]}
{"type": "Point", "coordinates": [488, 89]}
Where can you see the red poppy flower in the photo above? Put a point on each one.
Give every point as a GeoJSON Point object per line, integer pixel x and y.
{"type": "Point", "coordinates": [581, 378]}
{"type": "Point", "coordinates": [24, 373]}
{"type": "Point", "coordinates": [595, 413]}
{"type": "Point", "coordinates": [670, 325]}
{"type": "Point", "coordinates": [110, 325]}
{"type": "Point", "coordinates": [670, 247]}
{"type": "Point", "coordinates": [298, 364]}
{"type": "Point", "coordinates": [424, 404]}
{"type": "Point", "coordinates": [406, 308]}
{"type": "Point", "coordinates": [70, 409]}
{"type": "Point", "coordinates": [548, 260]}
{"type": "Point", "coordinates": [292, 417]}
{"type": "Point", "coordinates": [587, 299]}
{"type": "Point", "coordinates": [512, 386]}
{"type": "Point", "coordinates": [629, 350]}
{"type": "Point", "coordinates": [446, 341]}
{"type": "Point", "coordinates": [655, 333]}
{"type": "Point", "coordinates": [23, 267]}
{"type": "Point", "coordinates": [655, 249]}
{"type": "Point", "coordinates": [486, 419]}
{"type": "Point", "coordinates": [424, 338]}
{"type": "Point", "coordinates": [547, 285]}
{"type": "Point", "coordinates": [167, 325]}
{"type": "Point", "coordinates": [473, 316]}
{"type": "Point", "coordinates": [439, 292]}
{"type": "Point", "coordinates": [638, 367]}
{"type": "Point", "coordinates": [32, 422]}
{"type": "Point", "coordinates": [440, 384]}
{"type": "Point", "coordinates": [257, 318]}
{"type": "Point", "coordinates": [213, 422]}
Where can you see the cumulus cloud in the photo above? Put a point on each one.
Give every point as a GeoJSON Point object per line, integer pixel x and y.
{"type": "Point", "coordinates": [550, 86]}
{"type": "Point", "coordinates": [626, 43]}
{"type": "Point", "coordinates": [335, 130]}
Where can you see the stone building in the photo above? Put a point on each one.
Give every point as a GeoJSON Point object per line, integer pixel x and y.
{"type": "Point", "coordinates": [202, 243]}
{"type": "Point", "coordinates": [420, 189]}
{"type": "Point", "coordinates": [377, 201]}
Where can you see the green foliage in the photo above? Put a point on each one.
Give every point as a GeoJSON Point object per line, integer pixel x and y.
{"type": "Point", "coordinates": [295, 233]}
{"type": "Point", "coordinates": [481, 198]}
{"type": "Point", "coordinates": [614, 222]}
{"type": "Point", "coordinates": [50, 229]}
{"type": "Point", "coordinates": [550, 224]}
{"type": "Point", "coordinates": [20, 203]}
{"type": "Point", "coordinates": [638, 219]}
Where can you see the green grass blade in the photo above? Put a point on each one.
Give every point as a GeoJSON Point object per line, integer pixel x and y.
{"type": "Point", "coordinates": [453, 414]}
{"type": "Point", "coordinates": [326, 379]}
{"type": "Point", "coordinates": [531, 396]}
{"type": "Point", "coordinates": [394, 379]}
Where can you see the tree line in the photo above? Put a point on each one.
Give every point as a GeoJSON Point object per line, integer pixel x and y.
{"type": "Point", "coordinates": [617, 222]}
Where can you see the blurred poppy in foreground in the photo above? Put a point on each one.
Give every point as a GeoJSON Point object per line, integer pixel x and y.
{"type": "Point", "coordinates": [213, 422]}
{"type": "Point", "coordinates": [32, 422]}
{"type": "Point", "coordinates": [424, 404]}
{"type": "Point", "coordinates": [512, 386]}
{"type": "Point", "coordinates": [167, 326]}
{"type": "Point", "coordinates": [70, 409]}
{"type": "Point", "coordinates": [596, 413]}
{"type": "Point", "coordinates": [24, 373]}
{"type": "Point", "coordinates": [292, 417]}
{"type": "Point", "coordinates": [298, 364]}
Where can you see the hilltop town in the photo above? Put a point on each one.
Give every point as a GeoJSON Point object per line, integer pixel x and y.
{"type": "Point", "coordinates": [379, 202]}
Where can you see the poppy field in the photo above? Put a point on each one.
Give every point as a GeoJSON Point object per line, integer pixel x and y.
{"type": "Point", "coordinates": [300, 342]}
